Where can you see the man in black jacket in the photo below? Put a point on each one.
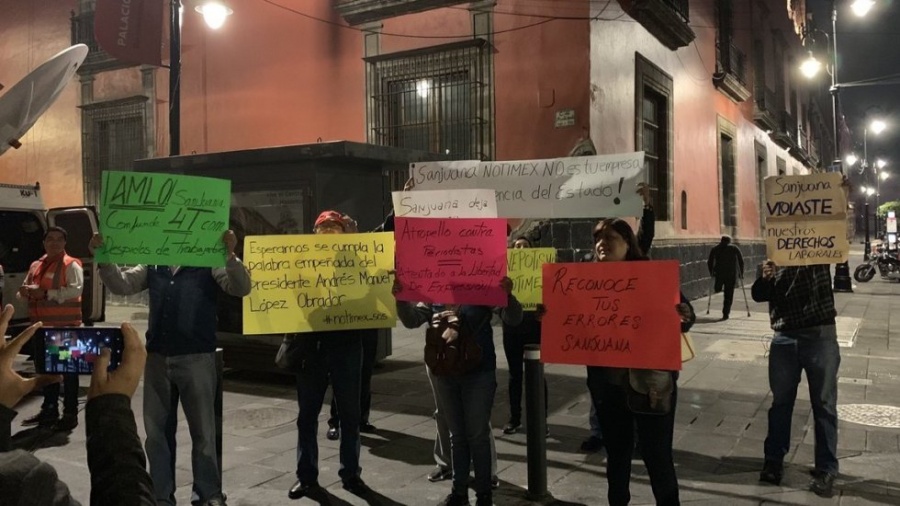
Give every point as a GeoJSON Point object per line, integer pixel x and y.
{"type": "Point", "coordinates": [115, 457]}
{"type": "Point", "coordinates": [726, 265]}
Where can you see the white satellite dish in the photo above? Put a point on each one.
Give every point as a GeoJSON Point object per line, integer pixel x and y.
{"type": "Point", "coordinates": [23, 104]}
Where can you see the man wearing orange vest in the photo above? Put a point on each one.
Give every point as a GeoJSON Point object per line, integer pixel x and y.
{"type": "Point", "coordinates": [53, 290]}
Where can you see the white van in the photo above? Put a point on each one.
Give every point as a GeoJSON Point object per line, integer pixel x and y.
{"type": "Point", "coordinates": [23, 221]}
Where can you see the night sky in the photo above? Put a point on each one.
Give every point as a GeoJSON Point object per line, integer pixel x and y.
{"type": "Point", "coordinates": [869, 47]}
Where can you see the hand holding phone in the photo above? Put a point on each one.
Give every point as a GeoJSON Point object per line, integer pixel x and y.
{"type": "Point", "coordinates": [124, 380]}
{"type": "Point", "coordinates": [76, 350]}
{"type": "Point", "coordinates": [14, 387]}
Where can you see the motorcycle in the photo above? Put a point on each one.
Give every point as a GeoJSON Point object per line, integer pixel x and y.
{"type": "Point", "coordinates": [886, 265]}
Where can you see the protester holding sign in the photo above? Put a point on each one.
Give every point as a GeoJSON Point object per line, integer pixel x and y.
{"type": "Point", "coordinates": [801, 309]}
{"type": "Point", "coordinates": [621, 405]}
{"type": "Point", "coordinates": [369, 338]}
{"type": "Point", "coordinates": [334, 355]}
{"type": "Point", "coordinates": [465, 398]}
{"type": "Point", "coordinates": [181, 363]}
{"type": "Point", "coordinates": [515, 337]}
{"type": "Point", "coordinates": [645, 234]}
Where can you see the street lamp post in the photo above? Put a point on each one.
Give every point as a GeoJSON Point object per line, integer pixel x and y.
{"type": "Point", "coordinates": [879, 175]}
{"type": "Point", "coordinates": [868, 192]}
{"type": "Point", "coordinates": [214, 13]}
{"type": "Point", "coordinates": [842, 280]}
{"type": "Point", "coordinates": [175, 78]}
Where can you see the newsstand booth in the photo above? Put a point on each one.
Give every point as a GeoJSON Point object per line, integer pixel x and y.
{"type": "Point", "coordinates": [281, 190]}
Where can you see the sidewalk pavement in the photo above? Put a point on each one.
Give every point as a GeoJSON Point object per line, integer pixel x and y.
{"type": "Point", "coordinates": [720, 423]}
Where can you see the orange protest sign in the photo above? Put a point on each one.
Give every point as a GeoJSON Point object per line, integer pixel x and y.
{"type": "Point", "coordinates": [614, 314]}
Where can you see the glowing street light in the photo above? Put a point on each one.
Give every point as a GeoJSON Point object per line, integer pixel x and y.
{"type": "Point", "coordinates": [880, 163]}
{"type": "Point", "coordinates": [852, 159]}
{"type": "Point", "coordinates": [877, 126]}
{"type": "Point", "coordinates": [862, 7]}
{"type": "Point", "coordinates": [810, 66]}
{"type": "Point", "coordinates": [884, 175]}
{"type": "Point", "coordinates": [214, 13]}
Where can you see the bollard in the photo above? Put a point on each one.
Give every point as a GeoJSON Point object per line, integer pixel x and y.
{"type": "Point", "coordinates": [220, 372]}
{"type": "Point", "coordinates": [536, 422]}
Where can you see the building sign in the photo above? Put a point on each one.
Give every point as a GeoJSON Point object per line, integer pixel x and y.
{"type": "Point", "coordinates": [565, 118]}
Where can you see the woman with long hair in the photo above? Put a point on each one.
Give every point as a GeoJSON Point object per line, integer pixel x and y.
{"type": "Point", "coordinates": [614, 241]}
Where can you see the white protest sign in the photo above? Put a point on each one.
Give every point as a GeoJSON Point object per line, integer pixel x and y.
{"type": "Point", "coordinates": [806, 219]}
{"type": "Point", "coordinates": [445, 204]}
{"type": "Point", "coordinates": [576, 187]}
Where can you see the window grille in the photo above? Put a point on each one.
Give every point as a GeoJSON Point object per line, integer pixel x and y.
{"type": "Point", "coordinates": [435, 99]}
{"type": "Point", "coordinates": [729, 180]}
{"type": "Point", "coordinates": [654, 133]}
{"type": "Point", "coordinates": [113, 136]}
{"type": "Point", "coordinates": [655, 144]}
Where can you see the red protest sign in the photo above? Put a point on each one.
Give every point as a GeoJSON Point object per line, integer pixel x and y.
{"type": "Point", "coordinates": [614, 314]}
{"type": "Point", "coordinates": [451, 261]}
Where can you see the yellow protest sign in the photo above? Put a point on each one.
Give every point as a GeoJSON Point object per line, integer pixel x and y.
{"type": "Point", "coordinates": [806, 219]}
{"type": "Point", "coordinates": [524, 268]}
{"type": "Point", "coordinates": [304, 283]}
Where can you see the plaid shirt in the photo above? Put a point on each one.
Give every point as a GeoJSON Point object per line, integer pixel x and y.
{"type": "Point", "coordinates": [798, 297]}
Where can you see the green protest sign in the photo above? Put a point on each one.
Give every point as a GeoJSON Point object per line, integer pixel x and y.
{"type": "Point", "coordinates": [163, 219]}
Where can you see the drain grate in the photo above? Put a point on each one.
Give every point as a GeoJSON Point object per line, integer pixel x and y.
{"type": "Point", "coordinates": [875, 415]}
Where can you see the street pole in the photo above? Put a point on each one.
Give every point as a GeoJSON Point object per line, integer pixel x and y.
{"type": "Point", "coordinates": [868, 246]}
{"type": "Point", "coordinates": [877, 193]}
{"type": "Point", "coordinates": [842, 281]}
{"type": "Point", "coordinates": [175, 78]}
{"type": "Point", "coordinates": [536, 423]}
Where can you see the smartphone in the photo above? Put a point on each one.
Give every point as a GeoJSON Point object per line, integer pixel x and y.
{"type": "Point", "coordinates": [74, 350]}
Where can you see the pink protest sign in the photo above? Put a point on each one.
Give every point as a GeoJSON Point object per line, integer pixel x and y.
{"type": "Point", "coordinates": [451, 261]}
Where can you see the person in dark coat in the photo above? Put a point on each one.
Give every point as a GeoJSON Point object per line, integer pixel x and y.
{"type": "Point", "coordinates": [726, 265]}
{"type": "Point", "coordinates": [115, 458]}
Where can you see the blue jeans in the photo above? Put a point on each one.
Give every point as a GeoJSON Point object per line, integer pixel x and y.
{"type": "Point", "coordinates": [442, 447]}
{"type": "Point", "coordinates": [342, 365]}
{"type": "Point", "coordinates": [814, 350]}
{"type": "Point", "coordinates": [192, 379]}
{"type": "Point", "coordinates": [70, 395]}
{"type": "Point", "coordinates": [466, 402]}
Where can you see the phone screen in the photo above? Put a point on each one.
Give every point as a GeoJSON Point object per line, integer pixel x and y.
{"type": "Point", "coordinates": [74, 350]}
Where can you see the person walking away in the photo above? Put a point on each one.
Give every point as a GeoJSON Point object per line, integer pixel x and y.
{"type": "Point", "coordinates": [802, 314]}
{"type": "Point", "coordinates": [53, 288]}
{"type": "Point", "coordinates": [726, 265]}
